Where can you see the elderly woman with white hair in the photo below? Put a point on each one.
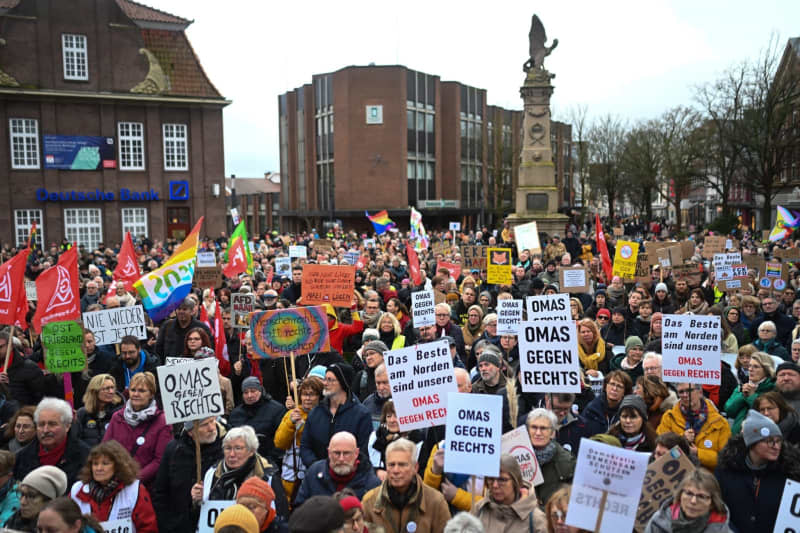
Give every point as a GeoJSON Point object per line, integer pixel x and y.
{"type": "Point", "coordinates": [761, 379]}
{"type": "Point", "coordinates": [556, 463]}
{"type": "Point", "coordinates": [240, 461]}
{"type": "Point", "coordinates": [767, 340]}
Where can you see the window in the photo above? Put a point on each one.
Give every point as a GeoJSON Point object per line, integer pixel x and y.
{"type": "Point", "coordinates": [24, 142]}
{"type": "Point", "coordinates": [176, 147]}
{"type": "Point", "coordinates": [83, 226]}
{"type": "Point", "coordinates": [131, 146]}
{"type": "Point", "coordinates": [75, 57]}
{"type": "Point", "coordinates": [134, 219]}
{"type": "Point", "coordinates": [23, 221]}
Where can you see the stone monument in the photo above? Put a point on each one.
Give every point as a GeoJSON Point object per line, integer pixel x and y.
{"type": "Point", "coordinates": [537, 193]}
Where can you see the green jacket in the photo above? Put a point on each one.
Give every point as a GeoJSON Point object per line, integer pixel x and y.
{"type": "Point", "coordinates": [558, 470]}
{"type": "Point", "coordinates": [737, 405]}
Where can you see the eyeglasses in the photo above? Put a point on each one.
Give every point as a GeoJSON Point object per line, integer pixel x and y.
{"type": "Point", "coordinates": [602, 318]}
{"type": "Point", "coordinates": [442, 314]}
{"type": "Point", "coordinates": [342, 453]}
{"type": "Point", "coordinates": [684, 392]}
{"type": "Point", "coordinates": [499, 480]}
{"type": "Point", "coordinates": [773, 442]}
{"type": "Point", "coordinates": [237, 449]}
{"type": "Point", "coordinates": [689, 495]}
{"type": "Point", "coordinates": [615, 385]}
{"type": "Point", "coordinates": [198, 339]}
{"type": "Point", "coordinates": [540, 429]}
{"type": "Point", "coordinates": [29, 495]}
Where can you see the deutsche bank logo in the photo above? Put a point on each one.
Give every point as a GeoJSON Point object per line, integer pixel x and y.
{"type": "Point", "coordinates": [179, 190]}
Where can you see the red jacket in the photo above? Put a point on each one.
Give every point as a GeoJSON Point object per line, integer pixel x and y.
{"type": "Point", "coordinates": [340, 332]}
{"type": "Point", "coordinates": [144, 517]}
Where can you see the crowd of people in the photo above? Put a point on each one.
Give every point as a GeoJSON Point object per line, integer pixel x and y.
{"type": "Point", "coordinates": [324, 451]}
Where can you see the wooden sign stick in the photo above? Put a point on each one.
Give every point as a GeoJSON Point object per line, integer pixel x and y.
{"type": "Point", "coordinates": [600, 512]}
{"type": "Point", "coordinates": [8, 348]}
{"type": "Point", "coordinates": [294, 379]}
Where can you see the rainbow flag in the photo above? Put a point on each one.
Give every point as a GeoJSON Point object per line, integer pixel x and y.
{"type": "Point", "coordinates": [785, 224]}
{"type": "Point", "coordinates": [418, 231]}
{"type": "Point", "coordinates": [380, 221]}
{"type": "Point", "coordinates": [163, 289]}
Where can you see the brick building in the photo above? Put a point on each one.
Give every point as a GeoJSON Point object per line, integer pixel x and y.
{"type": "Point", "coordinates": [388, 137]}
{"type": "Point", "coordinates": [110, 124]}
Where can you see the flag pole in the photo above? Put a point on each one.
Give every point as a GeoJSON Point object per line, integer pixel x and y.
{"type": "Point", "coordinates": [8, 348]}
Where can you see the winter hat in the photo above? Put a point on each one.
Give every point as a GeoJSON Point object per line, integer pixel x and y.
{"type": "Point", "coordinates": [787, 365]}
{"type": "Point", "coordinates": [600, 291]}
{"type": "Point", "coordinates": [634, 401]}
{"type": "Point", "coordinates": [605, 438]}
{"type": "Point", "coordinates": [317, 514]}
{"type": "Point", "coordinates": [619, 310]}
{"type": "Point", "coordinates": [370, 334]}
{"type": "Point", "coordinates": [537, 284]}
{"type": "Point", "coordinates": [490, 356]}
{"type": "Point", "coordinates": [604, 312]}
{"type": "Point", "coordinates": [450, 340]}
{"type": "Point", "coordinates": [344, 374]}
{"type": "Point", "coordinates": [758, 427]}
{"type": "Point", "coordinates": [350, 502]}
{"type": "Point", "coordinates": [260, 490]}
{"type": "Point", "coordinates": [509, 465]}
{"type": "Point", "coordinates": [632, 341]}
{"type": "Point", "coordinates": [203, 352]}
{"type": "Point", "coordinates": [376, 346]}
{"type": "Point", "coordinates": [251, 383]}
{"type": "Point", "coordinates": [661, 287]}
{"type": "Point", "coordinates": [237, 515]}
{"type": "Point", "coordinates": [657, 316]}
{"type": "Point", "coordinates": [317, 372]}
{"type": "Point", "coordinates": [47, 480]}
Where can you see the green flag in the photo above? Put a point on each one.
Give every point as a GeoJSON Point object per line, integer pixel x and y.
{"type": "Point", "coordinates": [241, 233]}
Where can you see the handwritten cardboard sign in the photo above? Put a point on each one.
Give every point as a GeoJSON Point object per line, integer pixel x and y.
{"type": "Point", "coordinates": [691, 272]}
{"type": "Point", "coordinates": [190, 391]}
{"type": "Point", "coordinates": [643, 269]}
{"type": "Point", "coordinates": [498, 266]}
{"type": "Point", "coordinates": [660, 483]}
{"type": "Point", "coordinates": [323, 245]}
{"type": "Point", "coordinates": [242, 304]}
{"type": "Point", "coordinates": [619, 231]}
{"type": "Point", "coordinates": [62, 342]}
{"type": "Point", "coordinates": [208, 277]}
{"type": "Point", "coordinates": [789, 254]}
{"type": "Point", "coordinates": [278, 333]}
{"type": "Point", "coordinates": [527, 237]}
{"type": "Point", "coordinates": [441, 247]}
{"type": "Point", "coordinates": [669, 256]}
{"type": "Point", "coordinates": [328, 284]}
{"type": "Point", "coordinates": [713, 245]}
{"type": "Point", "coordinates": [473, 257]}
{"type": "Point", "coordinates": [573, 279]}
{"type": "Point", "coordinates": [110, 325]}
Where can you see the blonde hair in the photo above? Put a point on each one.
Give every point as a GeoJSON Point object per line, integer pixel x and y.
{"type": "Point", "coordinates": [144, 378]}
{"type": "Point", "coordinates": [95, 384]}
{"type": "Point", "coordinates": [766, 362]}
{"type": "Point", "coordinates": [394, 321]}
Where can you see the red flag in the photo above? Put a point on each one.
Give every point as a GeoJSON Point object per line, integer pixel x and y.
{"type": "Point", "coordinates": [602, 247]}
{"type": "Point", "coordinates": [127, 269]}
{"type": "Point", "coordinates": [269, 279]}
{"type": "Point", "coordinates": [220, 344]}
{"type": "Point", "coordinates": [238, 260]}
{"type": "Point", "coordinates": [112, 291]}
{"type": "Point", "coordinates": [413, 265]}
{"type": "Point", "coordinates": [204, 317]}
{"type": "Point", "coordinates": [57, 291]}
{"type": "Point", "coordinates": [362, 262]}
{"type": "Point", "coordinates": [13, 300]}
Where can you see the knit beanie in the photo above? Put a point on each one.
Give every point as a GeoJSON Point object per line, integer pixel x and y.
{"type": "Point", "coordinates": [758, 427]}
{"type": "Point", "coordinates": [318, 514]}
{"type": "Point", "coordinates": [344, 374]}
{"type": "Point", "coordinates": [661, 287]}
{"type": "Point", "coordinates": [259, 489]}
{"type": "Point", "coordinates": [350, 502]}
{"type": "Point", "coordinates": [605, 438]}
{"type": "Point", "coordinates": [604, 312]}
{"type": "Point", "coordinates": [634, 401]}
{"type": "Point", "coordinates": [203, 352]}
{"type": "Point", "coordinates": [237, 515]}
{"type": "Point", "coordinates": [509, 465]}
{"type": "Point", "coordinates": [251, 382]}
{"type": "Point", "coordinates": [317, 372]}
{"type": "Point", "coordinates": [376, 346]}
{"type": "Point", "coordinates": [787, 365]}
{"type": "Point", "coordinates": [633, 341]}
{"type": "Point", "coordinates": [657, 316]}
{"type": "Point", "coordinates": [47, 480]}
{"type": "Point", "coordinates": [490, 356]}
{"type": "Point", "coordinates": [370, 334]}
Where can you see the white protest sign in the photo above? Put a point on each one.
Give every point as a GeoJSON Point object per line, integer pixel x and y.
{"type": "Point", "coordinates": [190, 391]}
{"type": "Point", "coordinates": [298, 251]}
{"type": "Point", "coordinates": [30, 291]}
{"type": "Point", "coordinates": [235, 216]}
{"type": "Point", "coordinates": [242, 304]}
{"type": "Point", "coordinates": [550, 307]}
{"type": "Point", "coordinates": [110, 325]}
{"type": "Point", "coordinates": [509, 316]}
{"type": "Point", "coordinates": [517, 443]}
{"type": "Point", "coordinates": [206, 259]}
{"type": "Point", "coordinates": [283, 266]}
{"type": "Point", "coordinates": [423, 311]}
{"type": "Point", "coordinates": [617, 471]}
{"type": "Point", "coordinates": [124, 525]}
{"type": "Point", "coordinates": [788, 520]}
{"type": "Point", "coordinates": [527, 238]}
{"type": "Point", "coordinates": [723, 265]}
{"type": "Point", "coordinates": [548, 357]}
{"type": "Point", "coordinates": [473, 434]}
{"type": "Point", "coordinates": [455, 226]}
{"type": "Point", "coordinates": [209, 513]}
{"type": "Point", "coordinates": [690, 349]}
{"type": "Point", "coordinates": [420, 377]}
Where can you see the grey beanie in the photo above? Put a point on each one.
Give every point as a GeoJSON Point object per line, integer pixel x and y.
{"type": "Point", "coordinates": [758, 427]}
{"type": "Point", "coordinates": [661, 287]}
{"type": "Point", "coordinates": [490, 356]}
{"type": "Point", "coordinates": [376, 346]}
{"type": "Point", "coordinates": [634, 401]}
{"type": "Point", "coordinates": [370, 334]}
{"type": "Point", "coordinates": [251, 383]}
{"type": "Point", "coordinates": [47, 480]}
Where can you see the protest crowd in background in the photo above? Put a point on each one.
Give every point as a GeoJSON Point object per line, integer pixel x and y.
{"type": "Point", "coordinates": [391, 381]}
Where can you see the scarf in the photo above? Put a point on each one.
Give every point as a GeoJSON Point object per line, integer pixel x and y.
{"type": "Point", "coordinates": [743, 374]}
{"type": "Point", "coordinates": [52, 456]}
{"type": "Point", "coordinates": [474, 330]}
{"type": "Point", "coordinates": [134, 418]}
{"type": "Point", "coordinates": [631, 443]}
{"type": "Point", "coordinates": [682, 524]}
{"type": "Point", "coordinates": [546, 454]}
{"type": "Point", "coordinates": [229, 482]}
{"type": "Point", "coordinates": [400, 500]}
{"type": "Point", "coordinates": [342, 481]}
{"type": "Point", "coordinates": [695, 419]}
{"type": "Point", "coordinates": [101, 493]}
{"type": "Point", "coordinates": [591, 361]}
{"type": "Point", "coordinates": [614, 293]}
{"type": "Point", "coordinates": [701, 309]}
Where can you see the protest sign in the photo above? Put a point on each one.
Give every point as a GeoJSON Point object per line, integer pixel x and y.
{"type": "Point", "coordinates": [652, 248]}
{"type": "Point", "coordinates": [369, 243]}
{"type": "Point", "coordinates": [527, 238]}
{"type": "Point", "coordinates": [62, 342]}
{"type": "Point", "coordinates": [669, 256]}
{"type": "Point", "coordinates": [242, 304]}
{"type": "Point", "coordinates": [283, 266]}
{"type": "Point", "coordinates": [517, 443]}
{"type": "Point", "coordinates": [788, 520]}
{"type": "Point", "coordinates": [607, 478]}
{"type": "Point", "coordinates": [775, 276]}
{"type": "Point", "coordinates": [455, 226]}
{"type": "Point", "coordinates": [548, 307]}
{"type": "Point", "coordinates": [298, 251]}
{"type": "Point", "coordinates": [713, 244]}
{"type": "Point", "coordinates": [548, 356]}
{"type": "Point", "coordinates": [498, 266]}
{"type": "Point", "coordinates": [473, 257]}
{"type": "Point", "coordinates": [788, 254]}
{"type": "Point", "coordinates": [208, 277]}
{"type": "Point", "coordinates": [441, 247]}
{"type": "Point", "coordinates": [643, 269]}
{"type": "Point", "coordinates": [278, 333]}
{"type": "Point", "coordinates": [453, 268]}
{"type": "Point", "coordinates": [473, 434]}
{"type": "Point", "coordinates": [509, 316]}
{"type": "Point", "coordinates": [691, 272]}
{"type": "Point", "coordinates": [625, 259]}
{"type": "Point", "coordinates": [110, 325]}
{"type": "Point", "coordinates": [323, 245]}
{"type": "Point", "coordinates": [235, 215]}
{"type": "Point", "coordinates": [351, 258]}
{"type": "Point", "coordinates": [206, 259]}
{"type": "Point", "coordinates": [420, 377]}
{"type": "Point", "coordinates": [723, 265]}
{"type": "Point", "coordinates": [690, 347]}
{"type": "Point", "coordinates": [190, 391]}
{"type": "Point", "coordinates": [209, 513]}
{"type": "Point", "coordinates": [573, 279]}
{"type": "Point", "coordinates": [423, 311]}
{"type": "Point", "coordinates": [687, 249]}
{"type": "Point", "coordinates": [660, 483]}
{"type": "Point", "coordinates": [169, 361]}
{"type": "Point", "coordinates": [30, 291]}
{"type": "Point", "coordinates": [123, 525]}
{"type": "Point", "coordinates": [328, 284]}
{"type": "Point", "coordinates": [619, 231]}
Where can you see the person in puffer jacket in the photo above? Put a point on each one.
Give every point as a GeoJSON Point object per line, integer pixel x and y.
{"type": "Point", "coordinates": [259, 411]}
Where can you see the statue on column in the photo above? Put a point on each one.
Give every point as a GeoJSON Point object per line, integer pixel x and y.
{"type": "Point", "coordinates": [537, 50]}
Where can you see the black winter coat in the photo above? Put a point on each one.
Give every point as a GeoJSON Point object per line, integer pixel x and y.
{"type": "Point", "coordinates": [318, 480]}
{"type": "Point", "coordinates": [26, 381]}
{"type": "Point", "coordinates": [71, 463]}
{"type": "Point", "coordinates": [264, 417]}
{"type": "Point", "coordinates": [171, 337]}
{"type": "Point", "coordinates": [90, 427]}
{"type": "Point", "coordinates": [598, 417]}
{"type": "Point", "coordinates": [753, 496]}
{"type": "Point", "coordinates": [351, 416]}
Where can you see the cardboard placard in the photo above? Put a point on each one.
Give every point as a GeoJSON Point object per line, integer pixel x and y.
{"type": "Point", "coordinates": [789, 510]}
{"type": "Point", "coordinates": [473, 257]}
{"type": "Point", "coordinates": [574, 280]}
{"type": "Point", "coordinates": [643, 269]}
{"type": "Point", "coordinates": [62, 342]}
{"type": "Point", "coordinates": [242, 304]}
{"type": "Point", "coordinates": [625, 259]}
{"type": "Point", "coordinates": [669, 256]}
{"type": "Point", "coordinates": [328, 284]}
{"type": "Point", "coordinates": [549, 357]}
{"type": "Point", "coordinates": [660, 483]}
{"type": "Point", "coordinates": [713, 245]}
{"type": "Point", "coordinates": [421, 377]}
{"type": "Point", "coordinates": [278, 333]}
{"type": "Point", "coordinates": [423, 312]}
{"type": "Point", "coordinates": [687, 249]}
{"type": "Point", "coordinates": [206, 259]}
{"type": "Point", "coordinates": [110, 325]}
{"type": "Point", "coordinates": [453, 268]}
{"type": "Point", "coordinates": [619, 231]}
{"type": "Point", "coordinates": [690, 348]}
{"type": "Point", "coordinates": [545, 308]}
{"type": "Point", "coordinates": [190, 391]}
{"type": "Point", "coordinates": [498, 266]}
{"type": "Point", "coordinates": [517, 443]}
{"type": "Point", "coordinates": [509, 316]}
{"type": "Point", "coordinates": [208, 277]}
{"type": "Point", "coordinates": [691, 272]}
{"type": "Point", "coordinates": [473, 434]}
{"type": "Point", "coordinates": [323, 245]}
{"type": "Point", "coordinates": [652, 248]}
{"type": "Point", "coordinates": [30, 291]}
{"type": "Point", "coordinates": [527, 238]}
{"type": "Point", "coordinates": [756, 262]}
{"type": "Point", "coordinates": [441, 247]}
{"type": "Point", "coordinates": [788, 254]}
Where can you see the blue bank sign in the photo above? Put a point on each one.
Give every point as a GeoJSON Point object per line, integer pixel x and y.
{"type": "Point", "coordinates": [179, 190]}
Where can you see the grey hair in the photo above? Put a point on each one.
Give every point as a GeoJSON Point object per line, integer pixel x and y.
{"type": "Point", "coordinates": [796, 341]}
{"type": "Point", "coordinates": [380, 370]}
{"type": "Point", "coordinates": [443, 305]}
{"type": "Point", "coordinates": [403, 445]}
{"type": "Point", "coordinates": [541, 412]}
{"type": "Point", "coordinates": [652, 355]}
{"type": "Point", "coordinates": [767, 323]}
{"type": "Point", "coordinates": [246, 433]}
{"type": "Point", "coordinates": [490, 317]}
{"type": "Point", "coordinates": [463, 522]}
{"type": "Point", "coordinates": [57, 405]}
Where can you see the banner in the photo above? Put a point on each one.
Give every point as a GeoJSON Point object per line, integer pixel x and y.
{"type": "Point", "coordinates": [242, 304]}
{"type": "Point", "coordinates": [413, 266]}
{"type": "Point", "coordinates": [452, 268]}
{"type": "Point", "coordinates": [57, 288]}
{"type": "Point", "coordinates": [527, 238]}
{"type": "Point", "coordinates": [420, 377]}
{"type": "Point", "coordinates": [690, 349]}
{"type": "Point", "coordinates": [328, 284]}
{"type": "Point", "coordinates": [278, 333]}
{"type": "Point", "coordinates": [625, 259]}
{"type": "Point", "coordinates": [517, 443]}
{"type": "Point", "coordinates": [509, 316]}
{"type": "Point", "coordinates": [548, 357]}
{"type": "Point", "coordinates": [498, 266]}
{"type": "Point", "coordinates": [127, 270]}
{"type": "Point", "coordinates": [239, 238]}
{"type": "Point", "coordinates": [110, 325]}
{"type": "Point", "coordinates": [660, 483]}
{"type": "Point", "coordinates": [62, 342]}
{"type": "Point", "coordinates": [473, 434]}
{"type": "Point", "coordinates": [545, 308]}
{"type": "Point", "coordinates": [423, 309]}
{"type": "Point", "coordinates": [190, 391]}
{"type": "Point", "coordinates": [78, 152]}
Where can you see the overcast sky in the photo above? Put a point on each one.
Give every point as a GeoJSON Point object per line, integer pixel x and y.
{"type": "Point", "coordinates": [630, 58]}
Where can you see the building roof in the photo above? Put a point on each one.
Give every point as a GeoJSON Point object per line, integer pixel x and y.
{"type": "Point", "coordinates": [246, 186]}
{"type": "Point", "coordinates": [143, 15]}
{"type": "Point", "coordinates": [179, 62]}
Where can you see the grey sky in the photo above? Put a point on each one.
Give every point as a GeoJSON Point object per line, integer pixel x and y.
{"type": "Point", "coordinates": [631, 58]}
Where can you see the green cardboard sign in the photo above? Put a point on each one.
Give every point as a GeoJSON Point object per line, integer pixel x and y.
{"type": "Point", "coordinates": [62, 342]}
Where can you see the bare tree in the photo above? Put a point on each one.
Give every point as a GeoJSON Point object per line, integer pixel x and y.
{"type": "Point", "coordinates": [640, 166]}
{"type": "Point", "coordinates": [606, 138]}
{"type": "Point", "coordinates": [577, 116]}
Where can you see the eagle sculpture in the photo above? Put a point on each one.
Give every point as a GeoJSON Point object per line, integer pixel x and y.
{"type": "Point", "coordinates": [537, 50]}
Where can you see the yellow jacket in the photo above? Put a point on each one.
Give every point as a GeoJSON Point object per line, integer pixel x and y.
{"type": "Point", "coordinates": [283, 435]}
{"type": "Point", "coordinates": [711, 438]}
{"type": "Point", "coordinates": [463, 498]}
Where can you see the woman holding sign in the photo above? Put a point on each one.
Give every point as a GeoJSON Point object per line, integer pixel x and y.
{"type": "Point", "coordinates": [697, 507]}
{"type": "Point", "coordinates": [761, 380]}
{"type": "Point", "coordinates": [556, 463]}
{"type": "Point", "coordinates": [591, 348]}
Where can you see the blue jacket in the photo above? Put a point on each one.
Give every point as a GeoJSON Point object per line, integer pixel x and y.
{"type": "Point", "coordinates": [597, 417]}
{"type": "Point", "coordinates": [10, 500]}
{"type": "Point", "coordinates": [351, 416]}
{"type": "Point", "coordinates": [318, 481]}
